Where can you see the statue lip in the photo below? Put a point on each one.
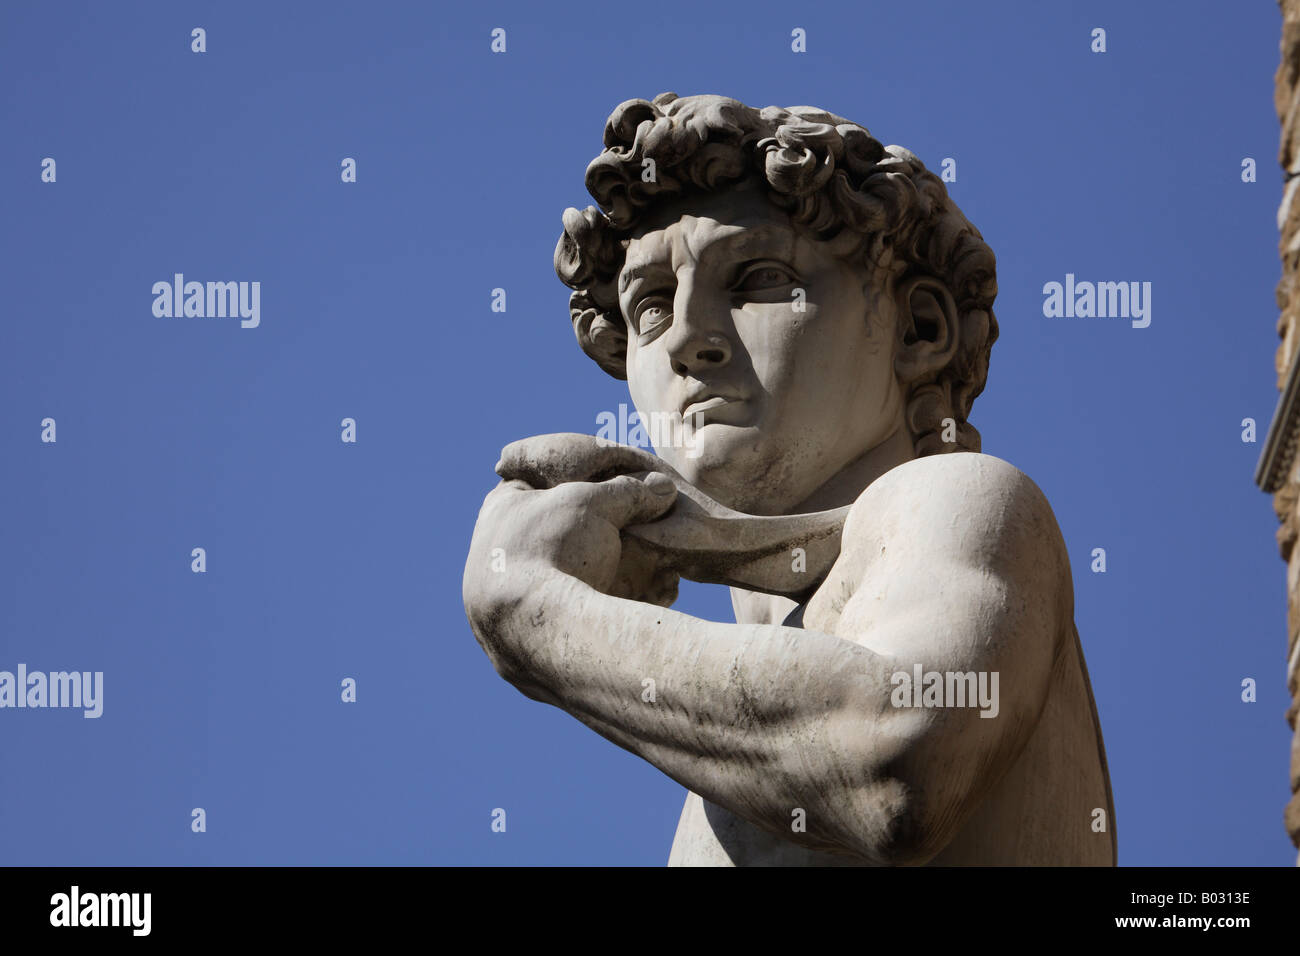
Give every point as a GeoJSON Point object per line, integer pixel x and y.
{"type": "Point", "coordinates": [706, 405]}
{"type": "Point", "coordinates": [707, 400]}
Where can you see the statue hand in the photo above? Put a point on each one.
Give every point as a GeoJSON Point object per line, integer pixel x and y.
{"type": "Point", "coordinates": [700, 539]}
{"type": "Point", "coordinates": [551, 461]}
{"type": "Point", "coordinates": [574, 528]}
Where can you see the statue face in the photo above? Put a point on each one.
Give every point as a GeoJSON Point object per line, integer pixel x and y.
{"type": "Point", "coordinates": [782, 399]}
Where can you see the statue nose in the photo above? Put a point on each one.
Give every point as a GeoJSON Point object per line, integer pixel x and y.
{"type": "Point", "coordinates": [701, 351]}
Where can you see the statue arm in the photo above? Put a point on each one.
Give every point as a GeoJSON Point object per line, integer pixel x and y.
{"type": "Point", "coordinates": [764, 720]}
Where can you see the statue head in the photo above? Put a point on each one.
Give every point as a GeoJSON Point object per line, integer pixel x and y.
{"type": "Point", "coordinates": [796, 292]}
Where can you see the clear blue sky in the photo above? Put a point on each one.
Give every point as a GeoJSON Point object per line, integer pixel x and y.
{"type": "Point", "coordinates": [328, 560]}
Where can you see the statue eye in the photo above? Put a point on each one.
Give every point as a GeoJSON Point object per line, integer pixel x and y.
{"type": "Point", "coordinates": [766, 275]}
{"type": "Point", "coordinates": [651, 313]}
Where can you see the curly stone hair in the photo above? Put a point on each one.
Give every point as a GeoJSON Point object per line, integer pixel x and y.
{"type": "Point", "coordinates": [878, 203]}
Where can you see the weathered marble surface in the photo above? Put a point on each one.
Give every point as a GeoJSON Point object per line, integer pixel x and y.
{"type": "Point", "coordinates": [816, 315]}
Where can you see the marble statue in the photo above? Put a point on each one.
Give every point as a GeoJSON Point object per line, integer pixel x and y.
{"type": "Point", "coordinates": [904, 684]}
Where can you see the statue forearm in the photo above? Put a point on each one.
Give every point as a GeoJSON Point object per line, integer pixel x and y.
{"type": "Point", "coordinates": [761, 719]}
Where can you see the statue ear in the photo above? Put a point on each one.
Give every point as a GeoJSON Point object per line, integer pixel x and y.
{"type": "Point", "coordinates": [927, 328]}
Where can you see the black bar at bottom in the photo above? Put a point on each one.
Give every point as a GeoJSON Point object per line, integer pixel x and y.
{"type": "Point", "coordinates": [663, 909]}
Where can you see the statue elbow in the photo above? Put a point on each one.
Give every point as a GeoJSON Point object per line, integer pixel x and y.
{"type": "Point", "coordinates": [899, 830]}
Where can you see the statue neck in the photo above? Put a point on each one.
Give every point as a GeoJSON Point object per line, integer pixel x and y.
{"type": "Point", "coordinates": [756, 607]}
{"type": "Point", "coordinates": [851, 480]}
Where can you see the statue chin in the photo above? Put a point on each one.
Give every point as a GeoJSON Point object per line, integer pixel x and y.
{"type": "Point", "coordinates": [714, 458]}
{"type": "Point", "coordinates": [731, 465]}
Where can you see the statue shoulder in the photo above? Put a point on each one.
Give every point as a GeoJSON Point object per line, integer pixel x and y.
{"type": "Point", "coordinates": [961, 538]}
{"type": "Point", "coordinates": [976, 509]}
